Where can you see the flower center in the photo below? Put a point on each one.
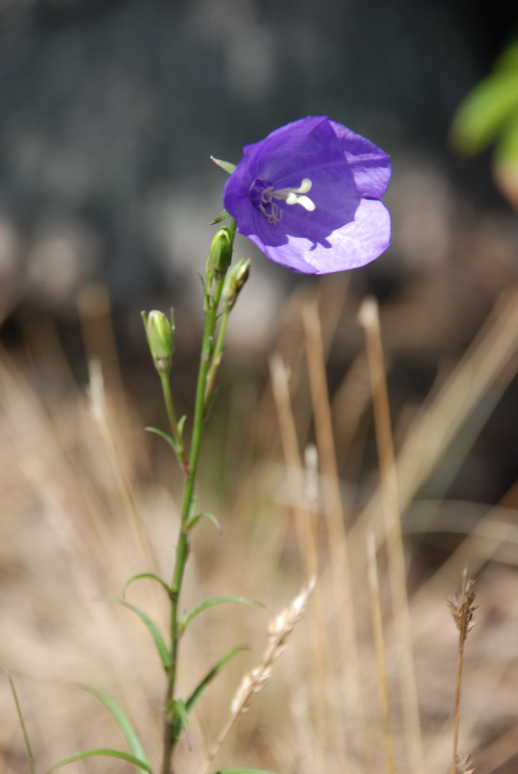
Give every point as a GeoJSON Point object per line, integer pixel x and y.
{"type": "Point", "coordinates": [262, 194]}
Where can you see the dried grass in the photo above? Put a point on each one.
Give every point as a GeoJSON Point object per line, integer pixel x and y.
{"type": "Point", "coordinates": [83, 509]}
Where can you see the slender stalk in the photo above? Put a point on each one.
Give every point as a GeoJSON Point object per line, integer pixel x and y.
{"type": "Point", "coordinates": [22, 722]}
{"type": "Point", "coordinates": [462, 609]}
{"type": "Point", "coordinates": [168, 400]}
{"type": "Point", "coordinates": [182, 546]}
{"type": "Point", "coordinates": [216, 359]}
{"type": "Point", "coordinates": [369, 319]}
{"type": "Point", "coordinates": [377, 627]}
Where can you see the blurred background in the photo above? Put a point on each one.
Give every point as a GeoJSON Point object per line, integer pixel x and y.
{"type": "Point", "coordinates": [109, 112]}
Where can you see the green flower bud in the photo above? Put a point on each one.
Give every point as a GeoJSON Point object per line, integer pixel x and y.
{"type": "Point", "coordinates": [160, 336]}
{"type": "Point", "coordinates": [234, 282]}
{"type": "Point", "coordinates": [220, 255]}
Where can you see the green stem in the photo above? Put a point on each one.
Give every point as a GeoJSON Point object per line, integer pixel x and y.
{"type": "Point", "coordinates": [216, 359]}
{"type": "Point", "coordinates": [182, 546]}
{"type": "Point", "coordinates": [168, 400]}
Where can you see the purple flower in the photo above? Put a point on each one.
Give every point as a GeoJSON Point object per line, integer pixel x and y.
{"type": "Point", "coordinates": [308, 196]}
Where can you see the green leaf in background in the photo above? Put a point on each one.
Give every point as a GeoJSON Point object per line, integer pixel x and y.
{"type": "Point", "coordinates": [103, 753]}
{"type": "Point", "coordinates": [209, 677]}
{"type": "Point", "coordinates": [187, 618]}
{"type": "Point", "coordinates": [506, 151]}
{"type": "Point", "coordinates": [159, 642]}
{"type": "Point", "coordinates": [151, 576]}
{"type": "Point", "coordinates": [125, 725]}
{"type": "Point", "coordinates": [22, 723]}
{"type": "Point", "coordinates": [227, 166]}
{"type": "Point", "coordinates": [487, 111]}
{"type": "Point", "coordinates": [195, 519]}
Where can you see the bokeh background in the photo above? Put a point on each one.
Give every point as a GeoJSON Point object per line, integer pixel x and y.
{"type": "Point", "coordinates": [109, 112]}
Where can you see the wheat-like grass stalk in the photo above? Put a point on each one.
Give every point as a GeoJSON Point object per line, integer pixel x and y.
{"type": "Point", "coordinates": [279, 631]}
{"type": "Point", "coordinates": [463, 610]}
{"type": "Point", "coordinates": [369, 319]}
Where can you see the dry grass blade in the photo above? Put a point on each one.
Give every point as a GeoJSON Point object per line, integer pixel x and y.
{"type": "Point", "coordinates": [465, 764]}
{"type": "Point", "coordinates": [337, 538]}
{"type": "Point", "coordinates": [377, 626]}
{"type": "Point", "coordinates": [484, 364]}
{"type": "Point", "coordinates": [279, 631]}
{"type": "Point", "coordinates": [369, 319]}
{"type": "Point", "coordinates": [462, 610]}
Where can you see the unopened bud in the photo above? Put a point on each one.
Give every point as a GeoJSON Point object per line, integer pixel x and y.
{"type": "Point", "coordinates": [220, 254]}
{"type": "Point", "coordinates": [160, 336]}
{"type": "Point", "coordinates": [234, 282]}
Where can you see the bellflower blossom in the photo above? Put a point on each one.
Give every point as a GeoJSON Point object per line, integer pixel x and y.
{"type": "Point", "coordinates": [308, 196]}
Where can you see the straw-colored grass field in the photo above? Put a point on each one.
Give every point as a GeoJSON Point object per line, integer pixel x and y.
{"type": "Point", "coordinates": [88, 499]}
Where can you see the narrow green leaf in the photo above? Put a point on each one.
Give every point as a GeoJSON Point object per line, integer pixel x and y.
{"type": "Point", "coordinates": [151, 576]}
{"type": "Point", "coordinates": [20, 718]}
{"type": "Point", "coordinates": [104, 753]}
{"type": "Point", "coordinates": [159, 642]}
{"type": "Point", "coordinates": [209, 677]}
{"type": "Point", "coordinates": [181, 720]}
{"type": "Point", "coordinates": [125, 725]}
{"type": "Point", "coordinates": [223, 215]}
{"type": "Point", "coordinates": [192, 506]}
{"type": "Point", "coordinates": [181, 423]}
{"type": "Point", "coordinates": [187, 618]}
{"type": "Point", "coordinates": [195, 519]}
{"type": "Point", "coordinates": [172, 443]}
{"type": "Point", "coordinates": [227, 166]}
{"type": "Point", "coordinates": [485, 111]}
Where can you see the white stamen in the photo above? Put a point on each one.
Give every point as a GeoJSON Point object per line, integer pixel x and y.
{"type": "Point", "coordinates": [305, 201]}
{"type": "Point", "coordinates": [289, 195]}
{"type": "Point", "coordinates": [292, 195]}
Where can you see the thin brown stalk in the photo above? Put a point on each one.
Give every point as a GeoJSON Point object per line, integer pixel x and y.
{"type": "Point", "coordinates": [369, 319]}
{"type": "Point", "coordinates": [463, 611]}
{"type": "Point", "coordinates": [334, 513]}
{"type": "Point", "coordinates": [377, 627]}
{"type": "Point", "coordinates": [279, 631]}
{"type": "Point", "coordinates": [488, 364]}
{"type": "Point", "coordinates": [307, 538]}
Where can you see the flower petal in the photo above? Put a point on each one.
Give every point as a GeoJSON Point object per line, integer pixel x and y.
{"type": "Point", "coordinates": [355, 244]}
{"type": "Point", "coordinates": [369, 165]}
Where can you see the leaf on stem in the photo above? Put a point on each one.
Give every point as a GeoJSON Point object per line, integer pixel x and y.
{"type": "Point", "coordinates": [187, 618]}
{"type": "Point", "coordinates": [176, 709]}
{"type": "Point", "coordinates": [223, 215]}
{"type": "Point", "coordinates": [153, 630]}
{"type": "Point", "coordinates": [22, 723]}
{"type": "Point", "coordinates": [195, 519]}
{"type": "Point", "coordinates": [125, 725]}
{"type": "Point", "coordinates": [172, 443]}
{"type": "Point", "coordinates": [151, 576]}
{"type": "Point", "coordinates": [104, 753]}
{"type": "Point", "coordinates": [181, 423]}
{"type": "Point", "coordinates": [209, 677]}
{"type": "Point", "coordinates": [227, 166]}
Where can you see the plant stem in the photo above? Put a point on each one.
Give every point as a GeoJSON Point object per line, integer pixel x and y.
{"type": "Point", "coordinates": [168, 400]}
{"type": "Point", "coordinates": [182, 547]}
{"type": "Point", "coordinates": [216, 359]}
